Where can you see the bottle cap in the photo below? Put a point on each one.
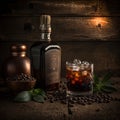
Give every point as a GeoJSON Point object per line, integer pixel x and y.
{"type": "Point", "coordinates": [45, 19]}
{"type": "Point", "coordinates": [45, 24]}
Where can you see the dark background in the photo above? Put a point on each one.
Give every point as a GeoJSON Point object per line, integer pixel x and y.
{"type": "Point", "coordinates": [85, 29]}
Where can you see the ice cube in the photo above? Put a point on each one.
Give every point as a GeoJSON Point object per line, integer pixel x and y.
{"type": "Point", "coordinates": [67, 62]}
{"type": "Point", "coordinates": [85, 63]}
{"type": "Point", "coordinates": [82, 66]}
{"type": "Point", "coordinates": [79, 62]}
{"type": "Point", "coordinates": [76, 61]}
{"type": "Point", "coordinates": [75, 68]}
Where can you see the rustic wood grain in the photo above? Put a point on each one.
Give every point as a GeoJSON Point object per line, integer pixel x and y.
{"type": "Point", "coordinates": [74, 27]}
{"type": "Point", "coordinates": [62, 7]}
{"type": "Point", "coordinates": [104, 55]}
{"type": "Point", "coordinates": [63, 28]}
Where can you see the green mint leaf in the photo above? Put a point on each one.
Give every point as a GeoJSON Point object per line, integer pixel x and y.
{"type": "Point", "coordinates": [96, 79]}
{"type": "Point", "coordinates": [107, 77]}
{"type": "Point", "coordinates": [38, 91]}
{"type": "Point", "coordinates": [23, 96]}
{"type": "Point", "coordinates": [38, 98]}
{"type": "Point", "coordinates": [109, 86]}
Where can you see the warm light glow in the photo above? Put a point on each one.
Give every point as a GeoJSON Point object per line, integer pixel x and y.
{"type": "Point", "coordinates": [99, 21]}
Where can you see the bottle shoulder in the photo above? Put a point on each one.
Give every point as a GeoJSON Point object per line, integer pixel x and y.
{"type": "Point", "coordinates": [50, 46]}
{"type": "Point", "coordinates": [45, 46]}
{"type": "Point", "coordinates": [36, 44]}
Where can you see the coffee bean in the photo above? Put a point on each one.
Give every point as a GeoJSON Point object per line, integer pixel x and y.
{"type": "Point", "coordinates": [79, 98]}
{"type": "Point", "coordinates": [79, 102]}
{"type": "Point", "coordinates": [97, 110]}
{"type": "Point", "coordinates": [99, 101]}
{"type": "Point", "coordinates": [93, 100]}
{"type": "Point", "coordinates": [85, 100]}
{"type": "Point", "coordinates": [89, 103]}
{"type": "Point", "coordinates": [51, 100]}
{"type": "Point", "coordinates": [82, 98]}
{"type": "Point", "coordinates": [55, 99]}
{"type": "Point", "coordinates": [21, 77]}
{"type": "Point", "coordinates": [71, 105]}
{"type": "Point", "coordinates": [64, 101]}
{"type": "Point", "coordinates": [83, 103]}
{"type": "Point", "coordinates": [106, 101]}
{"type": "Point", "coordinates": [69, 111]}
{"type": "Point", "coordinates": [111, 98]}
{"type": "Point", "coordinates": [75, 98]}
{"type": "Point", "coordinates": [102, 101]}
{"type": "Point", "coordinates": [50, 96]}
{"type": "Point", "coordinates": [71, 101]}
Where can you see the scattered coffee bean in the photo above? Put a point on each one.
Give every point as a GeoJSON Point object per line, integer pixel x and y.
{"type": "Point", "coordinates": [64, 101]}
{"type": "Point", "coordinates": [72, 101]}
{"type": "Point", "coordinates": [70, 105]}
{"type": "Point", "coordinates": [69, 111]}
{"type": "Point", "coordinates": [89, 103]}
{"type": "Point", "coordinates": [97, 110]}
{"type": "Point", "coordinates": [85, 100]}
{"type": "Point", "coordinates": [83, 103]}
{"type": "Point", "coordinates": [75, 98]}
{"type": "Point", "coordinates": [51, 100]}
{"type": "Point", "coordinates": [21, 77]}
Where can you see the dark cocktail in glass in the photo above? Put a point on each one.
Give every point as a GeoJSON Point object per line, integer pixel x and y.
{"type": "Point", "coordinates": [79, 77]}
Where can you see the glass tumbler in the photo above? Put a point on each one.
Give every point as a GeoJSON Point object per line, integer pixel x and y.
{"type": "Point", "coordinates": [79, 77]}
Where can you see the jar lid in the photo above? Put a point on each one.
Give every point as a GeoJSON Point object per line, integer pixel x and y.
{"type": "Point", "coordinates": [18, 48]}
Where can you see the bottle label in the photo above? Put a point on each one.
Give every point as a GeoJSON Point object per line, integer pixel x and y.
{"type": "Point", "coordinates": [52, 66]}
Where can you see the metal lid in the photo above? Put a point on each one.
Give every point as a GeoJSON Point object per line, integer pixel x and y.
{"type": "Point", "coordinates": [45, 19]}
{"type": "Point", "coordinates": [45, 24]}
{"type": "Point", "coordinates": [18, 48]}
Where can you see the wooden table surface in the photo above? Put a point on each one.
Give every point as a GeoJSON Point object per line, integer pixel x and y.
{"type": "Point", "coordinates": [10, 110]}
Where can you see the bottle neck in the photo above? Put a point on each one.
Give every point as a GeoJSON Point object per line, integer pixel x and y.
{"type": "Point", "coordinates": [45, 32]}
{"type": "Point", "coordinates": [45, 37]}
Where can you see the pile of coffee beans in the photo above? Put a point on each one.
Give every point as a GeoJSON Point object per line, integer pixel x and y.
{"type": "Point", "coordinates": [82, 100]}
{"type": "Point", "coordinates": [87, 100]}
{"type": "Point", "coordinates": [61, 96]}
{"type": "Point", "coordinates": [58, 95]}
{"type": "Point", "coordinates": [21, 77]}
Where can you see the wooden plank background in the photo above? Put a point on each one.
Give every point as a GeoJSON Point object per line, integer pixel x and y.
{"type": "Point", "coordinates": [61, 7]}
{"type": "Point", "coordinates": [104, 55]}
{"type": "Point", "coordinates": [63, 28]}
{"type": "Point", "coordinates": [86, 29]}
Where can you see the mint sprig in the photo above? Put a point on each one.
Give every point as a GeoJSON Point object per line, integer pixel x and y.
{"type": "Point", "coordinates": [37, 95]}
{"type": "Point", "coordinates": [103, 84]}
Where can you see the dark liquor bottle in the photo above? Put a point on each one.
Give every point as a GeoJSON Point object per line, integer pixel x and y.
{"type": "Point", "coordinates": [46, 58]}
